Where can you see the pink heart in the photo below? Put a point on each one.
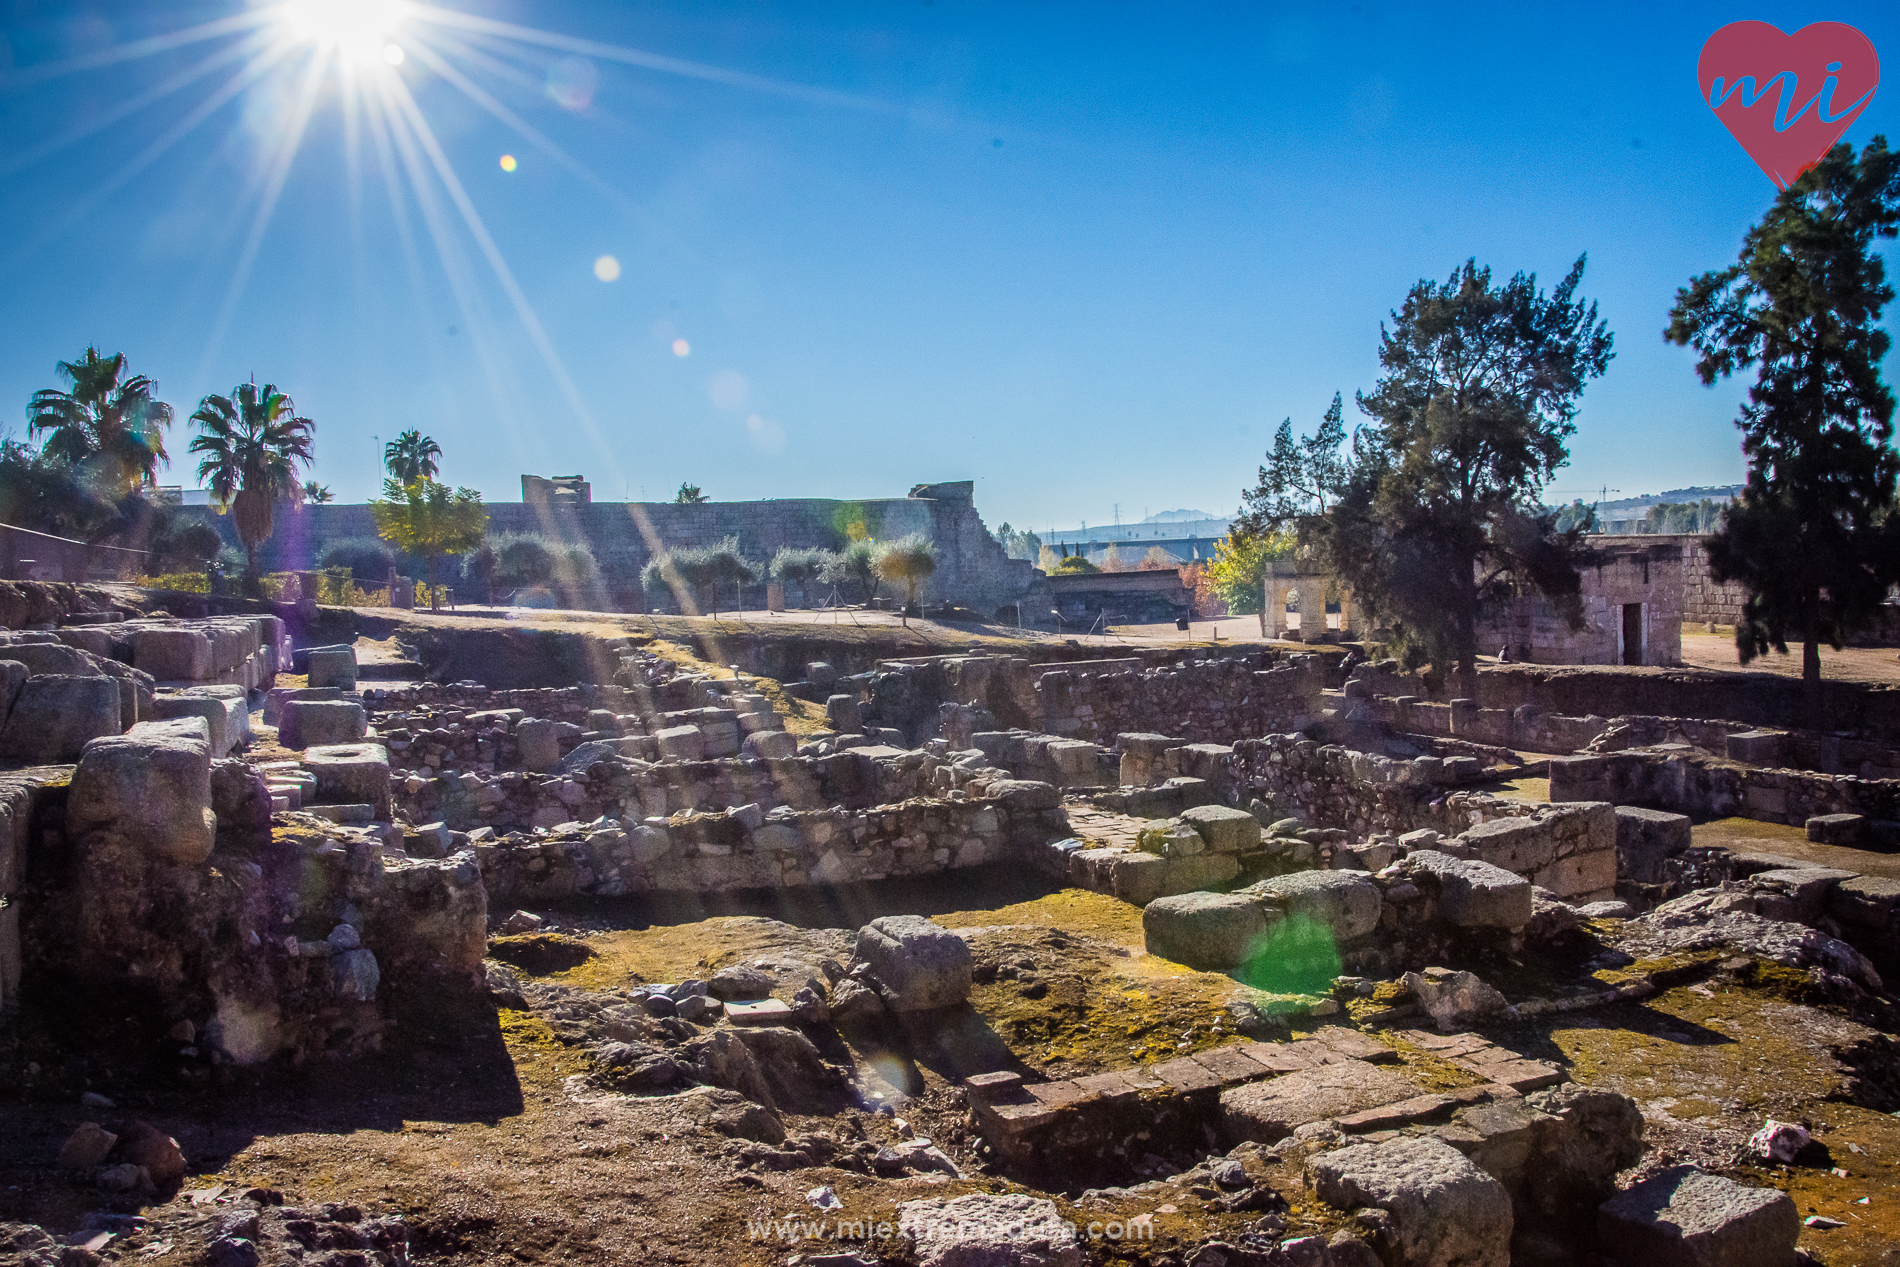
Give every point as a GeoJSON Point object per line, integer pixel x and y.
{"type": "Point", "coordinates": [1787, 98]}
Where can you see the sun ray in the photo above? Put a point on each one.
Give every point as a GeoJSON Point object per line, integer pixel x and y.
{"type": "Point", "coordinates": [132, 105]}
{"type": "Point", "coordinates": [524, 311]}
{"type": "Point", "coordinates": [489, 354]}
{"type": "Point", "coordinates": [104, 57]}
{"type": "Point", "coordinates": [648, 61]}
{"type": "Point", "coordinates": [273, 188]}
{"type": "Point", "coordinates": [84, 206]}
{"type": "Point", "coordinates": [474, 92]}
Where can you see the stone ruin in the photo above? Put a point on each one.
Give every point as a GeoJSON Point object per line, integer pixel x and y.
{"type": "Point", "coordinates": [278, 892]}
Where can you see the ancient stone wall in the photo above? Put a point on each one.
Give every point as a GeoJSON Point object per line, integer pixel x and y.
{"type": "Point", "coordinates": [1703, 599]}
{"type": "Point", "coordinates": [1211, 701]}
{"type": "Point", "coordinates": [1694, 783]}
{"type": "Point", "coordinates": [786, 848]}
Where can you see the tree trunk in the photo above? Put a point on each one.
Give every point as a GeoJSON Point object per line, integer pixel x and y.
{"type": "Point", "coordinates": [1811, 681]}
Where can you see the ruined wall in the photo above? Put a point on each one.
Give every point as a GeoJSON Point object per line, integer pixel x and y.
{"type": "Point", "coordinates": [1211, 701]}
{"type": "Point", "coordinates": [1694, 783]}
{"type": "Point", "coordinates": [787, 848]}
{"type": "Point", "coordinates": [1703, 599]}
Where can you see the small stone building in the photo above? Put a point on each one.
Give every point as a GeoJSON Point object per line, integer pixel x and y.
{"type": "Point", "coordinates": [1632, 609]}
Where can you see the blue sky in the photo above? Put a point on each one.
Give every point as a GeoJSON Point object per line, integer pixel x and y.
{"type": "Point", "coordinates": [1087, 255]}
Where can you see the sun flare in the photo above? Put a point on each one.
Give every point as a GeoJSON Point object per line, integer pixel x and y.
{"type": "Point", "coordinates": [358, 29]}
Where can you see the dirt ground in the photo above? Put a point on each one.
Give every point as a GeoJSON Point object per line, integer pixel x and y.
{"type": "Point", "coordinates": [1850, 664]}
{"type": "Point", "coordinates": [477, 1129]}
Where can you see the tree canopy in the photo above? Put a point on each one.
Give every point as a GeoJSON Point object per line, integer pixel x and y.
{"type": "Point", "coordinates": [1301, 476]}
{"type": "Point", "coordinates": [1440, 512]}
{"type": "Point", "coordinates": [689, 495]}
{"type": "Point", "coordinates": [908, 559]}
{"type": "Point", "coordinates": [253, 441]}
{"type": "Point", "coordinates": [412, 456]}
{"type": "Point", "coordinates": [425, 518]}
{"type": "Point", "coordinates": [108, 426]}
{"type": "Point", "coordinates": [1812, 537]}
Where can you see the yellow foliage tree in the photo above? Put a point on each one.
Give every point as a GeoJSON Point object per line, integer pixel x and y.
{"type": "Point", "coordinates": [1237, 572]}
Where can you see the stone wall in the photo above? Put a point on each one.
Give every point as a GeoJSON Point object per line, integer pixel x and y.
{"type": "Point", "coordinates": [1645, 570]}
{"type": "Point", "coordinates": [1703, 599]}
{"type": "Point", "coordinates": [785, 848]}
{"type": "Point", "coordinates": [1690, 782]}
{"type": "Point", "coordinates": [971, 566]}
{"type": "Point", "coordinates": [1211, 701]}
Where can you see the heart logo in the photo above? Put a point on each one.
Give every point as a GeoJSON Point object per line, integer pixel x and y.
{"type": "Point", "coordinates": [1787, 98]}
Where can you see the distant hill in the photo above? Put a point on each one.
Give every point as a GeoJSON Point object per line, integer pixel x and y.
{"type": "Point", "coordinates": [1174, 516]}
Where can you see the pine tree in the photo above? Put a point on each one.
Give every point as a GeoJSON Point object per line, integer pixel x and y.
{"type": "Point", "coordinates": [1811, 538]}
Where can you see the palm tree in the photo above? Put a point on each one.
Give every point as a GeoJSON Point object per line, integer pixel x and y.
{"type": "Point", "coordinates": [689, 495]}
{"type": "Point", "coordinates": [252, 440]}
{"type": "Point", "coordinates": [110, 428]}
{"type": "Point", "coordinates": [412, 456]}
{"type": "Point", "coordinates": [317, 494]}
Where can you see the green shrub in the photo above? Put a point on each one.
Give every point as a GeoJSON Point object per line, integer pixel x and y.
{"type": "Point", "coordinates": [366, 559]}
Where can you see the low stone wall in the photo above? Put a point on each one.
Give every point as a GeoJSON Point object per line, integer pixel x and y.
{"type": "Point", "coordinates": [1214, 701]}
{"type": "Point", "coordinates": [1691, 782]}
{"type": "Point", "coordinates": [628, 788]}
{"type": "Point", "coordinates": [786, 848]}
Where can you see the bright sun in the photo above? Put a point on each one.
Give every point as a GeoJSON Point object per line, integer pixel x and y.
{"type": "Point", "coordinates": [357, 29]}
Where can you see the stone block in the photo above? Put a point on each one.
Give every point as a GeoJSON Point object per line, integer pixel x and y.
{"type": "Point", "coordinates": [1686, 1217]}
{"type": "Point", "coordinates": [1347, 902]}
{"type": "Point", "coordinates": [1211, 931]}
{"type": "Point", "coordinates": [278, 696]}
{"type": "Point", "coordinates": [1225, 829]}
{"type": "Point", "coordinates": [1141, 756]}
{"type": "Point", "coordinates": [227, 718]}
{"type": "Point", "coordinates": [1473, 894]}
{"type": "Point", "coordinates": [1171, 838]}
{"type": "Point", "coordinates": [721, 738]}
{"type": "Point", "coordinates": [1203, 871]}
{"type": "Point", "coordinates": [1644, 838]}
{"type": "Point", "coordinates": [1025, 794]}
{"type": "Point", "coordinates": [1755, 747]}
{"type": "Point", "coordinates": [54, 716]}
{"type": "Point", "coordinates": [1077, 763]}
{"type": "Point", "coordinates": [1848, 830]}
{"type": "Point", "coordinates": [841, 713]}
{"type": "Point", "coordinates": [1267, 1112]}
{"type": "Point", "coordinates": [920, 965]}
{"type": "Point", "coordinates": [1522, 845]}
{"type": "Point", "coordinates": [1868, 901]}
{"type": "Point", "coordinates": [172, 655]}
{"type": "Point", "coordinates": [13, 676]}
{"type": "Point", "coordinates": [332, 666]}
{"type": "Point", "coordinates": [311, 723]}
{"type": "Point", "coordinates": [538, 743]}
{"type": "Point", "coordinates": [1137, 877]}
{"type": "Point", "coordinates": [770, 745]}
{"type": "Point", "coordinates": [678, 743]}
{"type": "Point", "coordinates": [148, 791]}
{"type": "Point", "coordinates": [1580, 779]}
{"type": "Point", "coordinates": [1442, 1209]}
{"type": "Point", "coordinates": [351, 773]}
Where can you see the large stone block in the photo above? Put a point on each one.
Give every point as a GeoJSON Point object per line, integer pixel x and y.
{"type": "Point", "coordinates": [1756, 747]}
{"type": "Point", "coordinates": [312, 723]}
{"type": "Point", "coordinates": [1522, 845]}
{"type": "Point", "coordinates": [148, 790]}
{"type": "Point", "coordinates": [226, 717]}
{"type": "Point", "coordinates": [331, 666]}
{"type": "Point", "coordinates": [1212, 931]}
{"type": "Point", "coordinates": [1686, 1217]}
{"type": "Point", "coordinates": [841, 712]}
{"type": "Point", "coordinates": [920, 965]}
{"type": "Point", "coordinates": [1442, 1209]}
{"type": "Point", "coordinates": [13, 676]}
{"type": "Point", "coordinates": [1224, 828]}
{"type": "Point", "coordinates": [1580, 779]}
{"type": "Point", "coordinates": [680, 743]}
{"type": "Point", "coordinates": [1267, 1112]}
{"type": "Point", "coordinates": [1141, 757]}
{"type": "Point", "coordinates": [350, 774]}
{"type": "Point", "coordinates": [54, 716]}
{"type": "Point", "coordinates": [984, 1230]}
{"type": "Point", "coordinates": [1644, 838]}
{"type": "Point", "coordinates": [1474, 894]}
{"type": "Point", "coordinates": [538, 743]}
{"type": "Point", "coordinates": [1849, 830]}
{"type": "Point", "coordinates": [173, 655]}
{"type": "Point", "coordinates": [770, 745]}
{"type": "Point", "coordinates": [1347, 902]}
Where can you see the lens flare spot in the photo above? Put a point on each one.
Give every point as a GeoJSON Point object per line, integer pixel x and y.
{"type": "Point", "coordinates": [572, 82]}
{"type": "Point", "coordinates": [766, 436]}
{"type": "Point", "coordinates": [682, 348]}
{"type": "Point", "coordinates": [508, 163]}
{"type": "Point", "coordinates": [728, 389]}
{"type": "Point", "coordinates": [1296, 956]}
{"type": "Point", "coordinates": [607, 268]}
{"type": "Point", "coordinates": [393, 54]}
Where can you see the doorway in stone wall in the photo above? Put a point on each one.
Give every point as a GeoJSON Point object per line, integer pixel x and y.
{"type": "Point", "coordinates": [1632, 633]}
